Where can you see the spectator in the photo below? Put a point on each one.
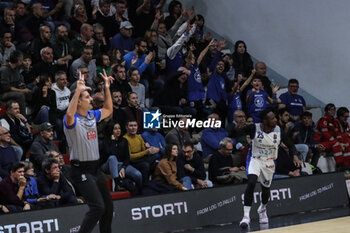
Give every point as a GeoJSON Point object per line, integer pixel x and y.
{"type": "Point", "coordinates": [65, 169]}
{"type": "Point", "coordinates": [196, 92]}
{"type": "Point", "coordinates": [242, 142]}
{"type": "Point", "coordinates": [283, 117]}
{"type": "Point", "coordinates": [123, 40]}
{"type": "Point", "coordinates": [242, 61]}
{"type": "Point", "coordinates": [47, 65]}
{"type": "Point", "coordinates": [326, 134]}
{"type": "Point", "coordinates": [85, 39]}
{"type": "Point", "coordinates": [50, 10]}
{"type": "Point", "coordinates": [60, 43]}
{"type": "Point", "coordinates": [179, 135]}
{"type": "Point", "coordinates": [166, 169]}
{"type": "Point", "coordinates": [11, 83]}
{"type": "Point", "coordinates": [260, 68]}
{"type": "Point", "coordinates": [303, 132]}
{"type": "Point", "coordinates": [22, 34]}
{"type": "Point", "coordinates": [223, 169]}
{"type": "Point", "coordinates": [166, 37]}
{"type": "Point", "coordinates": [42, 146]}
{"type": "Point", "coordinates": [118, 113]}
{"type": "Point", "coordinates": [115, 158]}
{"type": "Point", "coordinates": [133, 111]}
{"type": "Point", "coordinates": [190, 168]}
{"type": "Point", "coordinates": [103, 63]}
{"type": "Point", "coordinates": [257, 98]}
{"type": "Point", "coordinates": [175, 10]}
{"type": "Point", "coordinates": [42, 41]}
{"type": "Point", "coordinates": [6, 46]}
{"type": "Point", "coordinates": [52, 185]}
{"type": "Point", "coordinates": [7, 153]}
{"type": "Point", "coordinates": [120, 82]}
{"type": "Point", "coordinates": [31, 189]}
{"type": "Point", "coordinates": [141, 16]}
{"type": "Point", "coordinates": [120, 10]}
{"type": "Point", "coordinates": [211, 137]}
{"type": "Point", "coordinates": [103, 43]}
{"type": "Point", "coordinates": [12, 189]}
{"type": "Point", "coordinates": [173, 99]}
{"type": "Point", "coordinates": [154, 139]}
{"type": "Point", "coordinates": [79, 18]}
{"type": "Point", "coordinates": [216, 94]}
{"type": "Point", "coordinates": [294, 103]}
{"type": "Point", "coordinates": [143, 61]}
{"type": "Point", "coordinates": [35, 19]}
{"type": "Point", "coordinates": [106, 19]}
{"type": "Point", "coordinates": [62, 101]}
{"type": "Point", "coordinates": [344, 132]}
{"type": "Point", "coordinates": [234, 98]}
{"type": "Point", "coordinates": [140, 157]}
{"type": "Point", "coordinates": [45, 108]}
{"type": "Point", "coordinates": [28, 73]}
{"type": "Point", "coordinates": [85, 59]}
{"type": "Point", "coordinates": [286, 164]}
{"type": "Point", "coordinates": [8, 20]}
{"type": "Point", "coordinates": [137, 87]}
{"type": "Point", "coordinates": [84, 70]}
{"type": "Point", "coordinates": [20, 129]}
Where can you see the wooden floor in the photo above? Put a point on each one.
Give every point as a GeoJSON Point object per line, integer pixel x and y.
{"type": "Point", "coordinates": [337, 225]}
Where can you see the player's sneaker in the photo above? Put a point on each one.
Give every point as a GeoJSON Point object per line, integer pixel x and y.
{"type": "Point", "coordinates": [262, 215]}
{"type": "Point", "coordinates": [244, 224]}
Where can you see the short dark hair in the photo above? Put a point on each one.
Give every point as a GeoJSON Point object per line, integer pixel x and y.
{"type": "Point", "coordinates": [341, 111]}
{"type": "Point", "coordinates": [306, 114]}
{"type": "Point", "coordinates": [15, 166]}
{"type": "Point", "coordinates": [16, 56]}
{"type": "Point", "coordinates": [47, 163]}
{"type": "Point", "coordinates": [130, 120]}
{"type": "Point", "coordinates": [9, 104]}
{"type": "Point", "coordinates": [265, 112]}
{"type": "Point", "coordinates": [293, 80]}
{"type": "Point", "coordinates": [328, 107]}
{"type": "Point", "coordinates": [139, 40]}
{"type": "Point", "coordinates": [282, 111]}
{"type": "Point", "coordinates": [188, 144]}
{"type": "Point", "coordinates": [132, 69]}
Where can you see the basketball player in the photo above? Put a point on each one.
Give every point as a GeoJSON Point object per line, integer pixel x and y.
{"type": "Point", "coordinates": [81, 133]}
{"type": "Point", "coordinates": [266, 138]}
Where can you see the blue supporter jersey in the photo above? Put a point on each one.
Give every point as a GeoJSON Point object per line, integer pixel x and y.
{"type": "Point", "coordinates": [234, 103]}
{"type": "Point", "coordinates": [256, 104]}
{"type": "Point", "coordinates": [294, 103]}
{"type": "Point", "coordinates": [195, 85]}
{"type": "Point", "coordinates": [216, 88]}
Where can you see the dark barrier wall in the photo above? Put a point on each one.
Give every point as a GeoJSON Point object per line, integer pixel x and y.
{"type": "Point", "coordinates": [189, 209]}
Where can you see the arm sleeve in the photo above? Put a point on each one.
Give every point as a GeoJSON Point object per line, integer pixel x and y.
{"type": "Point", "coordinates": [288, 142]}
{"type": "Point", "coordinates": [247, 130]}
{"type": "Point", "coordinates": [166, 171]}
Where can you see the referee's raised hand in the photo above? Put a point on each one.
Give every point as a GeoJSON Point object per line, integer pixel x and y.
{"type": "Point", "coordinates": [108, 79]}
{"type": "Point", "coordinates": [81, 84]}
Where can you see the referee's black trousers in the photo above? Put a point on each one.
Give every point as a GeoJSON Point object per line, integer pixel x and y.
{"type": "Point", "coordinates": [92, 185]}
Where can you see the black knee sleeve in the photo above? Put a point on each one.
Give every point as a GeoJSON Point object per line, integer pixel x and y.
{"type": "Point", "coordinates": [249, 192]}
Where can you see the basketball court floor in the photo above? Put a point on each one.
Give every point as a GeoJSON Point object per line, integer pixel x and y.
{"type": "Point", "coordinates": [334, 220]}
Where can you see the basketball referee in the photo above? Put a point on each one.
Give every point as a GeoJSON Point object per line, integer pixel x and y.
{"type": "Point", "coordinates": [81, 133]}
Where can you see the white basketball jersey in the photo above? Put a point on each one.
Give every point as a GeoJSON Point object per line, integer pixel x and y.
{"type": "Point", "coordinates": [265, 145]}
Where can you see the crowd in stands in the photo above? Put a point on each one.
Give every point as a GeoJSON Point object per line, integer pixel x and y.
{"type": "Point", "coordinates": [160, 59]}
